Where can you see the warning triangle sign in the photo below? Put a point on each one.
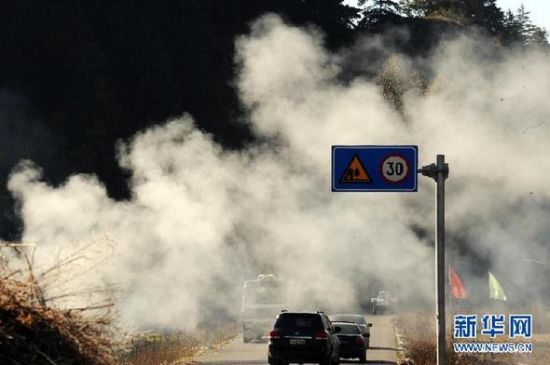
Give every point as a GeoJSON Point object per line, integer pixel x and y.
{"type": "Point", "coordinates": [355, 172]}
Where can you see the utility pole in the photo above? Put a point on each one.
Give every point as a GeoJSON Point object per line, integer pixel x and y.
{"type": "Point", "coordinates": [439, 172]}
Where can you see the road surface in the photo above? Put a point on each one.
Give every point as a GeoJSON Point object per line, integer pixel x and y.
{"type": "Point", "coordinates": [382, 348]}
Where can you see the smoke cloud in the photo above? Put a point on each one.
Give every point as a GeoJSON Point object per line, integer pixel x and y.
{"type": "Point", "coordinates": [202, 219]}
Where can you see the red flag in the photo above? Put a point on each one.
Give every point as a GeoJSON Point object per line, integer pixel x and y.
{"type": "Point", "coordinates": [457, 288]}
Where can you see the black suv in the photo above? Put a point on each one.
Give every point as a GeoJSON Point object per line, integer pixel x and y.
{"type": "Point", "coordinates": [303, 337]}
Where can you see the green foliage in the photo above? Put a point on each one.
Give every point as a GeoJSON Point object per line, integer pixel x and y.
{"type": "Point", "coordinates": [510, 28]}
{"type": "Point", "coordinates": [424, 8]}
{"type": "Point", "coordinates": [484, 13]}
{"type": "Point", "coordinates": [382, 6]}
{"type": "Point", "coordinates": [377, 10]}
{"type": "Point", "coordinates": [518, 29]}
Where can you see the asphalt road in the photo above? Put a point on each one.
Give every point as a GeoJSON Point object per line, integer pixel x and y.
{"type": "Point", "coordinates": [382, 348]}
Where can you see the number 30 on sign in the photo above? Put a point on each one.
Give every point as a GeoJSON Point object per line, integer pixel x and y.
{"type": "Point", "coordinates": [395, 168]}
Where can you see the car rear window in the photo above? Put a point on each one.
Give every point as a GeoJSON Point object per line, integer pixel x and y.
{"type": "Point", "coordinates": [348, 329]}
{"type": "Point", "coordinates": [348, 318]}
{"type": "Point", "coordinates": [299, 321]}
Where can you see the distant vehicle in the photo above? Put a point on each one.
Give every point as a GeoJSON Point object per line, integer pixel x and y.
{"type": "Point", "coordinates": [358, 320]}
{"type": "Point", "coordinates": [382, 303]}
{"type": "Point", "coordinates": [352, 342]}
{"type": "Point", "coordinates": [303, 337]}
{"type": "Point", "coordinates": [263, 298]}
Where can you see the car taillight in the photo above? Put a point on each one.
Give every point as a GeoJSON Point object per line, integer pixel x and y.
{"type": "Point", "coordinates": [321, 335]}
{"type": "Point", "coordinates": [358, 340]}
{"type": "Point", "coordinates": [274, 334]}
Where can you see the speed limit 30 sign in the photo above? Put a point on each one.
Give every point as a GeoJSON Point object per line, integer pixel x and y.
{"type": "Point", "coordinates": [394, 168]}
{"type": "Point", "coordinates": [374, 168]}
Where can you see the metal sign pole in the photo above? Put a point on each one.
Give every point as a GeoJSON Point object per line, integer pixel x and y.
{"type": "Point", "coordinates": [392, 168]}
{"type": "Point", "coordinates": [439, 172]}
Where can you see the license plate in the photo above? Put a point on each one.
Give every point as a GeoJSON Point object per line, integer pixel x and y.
{"type": "Point", "coordinates": [297, 342]}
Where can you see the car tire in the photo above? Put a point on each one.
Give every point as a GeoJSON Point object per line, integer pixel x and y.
{"type": "Point", "coordinates": [326, 362]}
{"type": "Point", "coordinates": [363, 357]}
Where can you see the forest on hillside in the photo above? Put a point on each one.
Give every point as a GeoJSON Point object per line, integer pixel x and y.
{"type": "Point", "coordinates": [76, 77]}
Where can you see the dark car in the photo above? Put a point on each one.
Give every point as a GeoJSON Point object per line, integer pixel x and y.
{"type": "Point", "coordinates": [358, 320]}
{"type": "Point", "coordinates": [352, 342]}
{"type": "Point", "coordinates": [303, 337]}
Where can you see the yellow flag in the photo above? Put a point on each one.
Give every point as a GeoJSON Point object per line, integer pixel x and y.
{"type": "Point", "coordinates": [495, 290]}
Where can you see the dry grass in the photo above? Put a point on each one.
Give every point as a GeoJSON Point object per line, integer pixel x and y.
{"type": "Point", "coordinates": [160, 349]}
{"type": "Point", "coordinates": [177, 347]}
{"type": "Point", "coordinates": [32, 332]}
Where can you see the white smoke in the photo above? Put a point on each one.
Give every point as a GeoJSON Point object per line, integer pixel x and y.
{"type": "Point", "coordinates": [202, 219]}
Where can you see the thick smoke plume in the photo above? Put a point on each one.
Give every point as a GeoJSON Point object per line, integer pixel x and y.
{"type": "Point", "coordinates": [203, 219]}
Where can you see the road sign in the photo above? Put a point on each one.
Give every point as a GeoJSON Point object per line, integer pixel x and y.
{"type": "Point", "coordinates": [374, 168]}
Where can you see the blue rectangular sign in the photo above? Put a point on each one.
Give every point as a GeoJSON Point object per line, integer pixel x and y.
{"type": "Point", "coordinates": [374, 168]}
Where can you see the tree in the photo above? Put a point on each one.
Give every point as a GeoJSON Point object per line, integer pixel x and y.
{"type": "Point", "coordinates": [519, 30]}
{"type": "Point", "coordinates": [530, 34]}
{"type": "Point", "coordinates": [483, 13]}
{"type": "Point", "coordinates": [539, 37]}
{"type": "Point", "coordinates": [425, 8]}
{"type": "Point", "coordinates": [513, 32]}
{"type": "Point", "coordinates": [379, 10]}
{"type": "Point", "coordinates": [383, 6]}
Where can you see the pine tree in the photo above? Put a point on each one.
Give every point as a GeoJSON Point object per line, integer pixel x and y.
{"type": "Point", "coordinates": [512, 33]}
{"type": "Point", "coordinates": [539, 37]}
{"type": "Point", "coordinates": [483, 13]}
{"type": "Point", "coordinates": [383, 6]}
{"type": "Point", "coordinates": [424, 8]}
{"type": "Point", "coordinates": [380, 9]}
{"type": "Point", "coordinates": [518, 29]}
